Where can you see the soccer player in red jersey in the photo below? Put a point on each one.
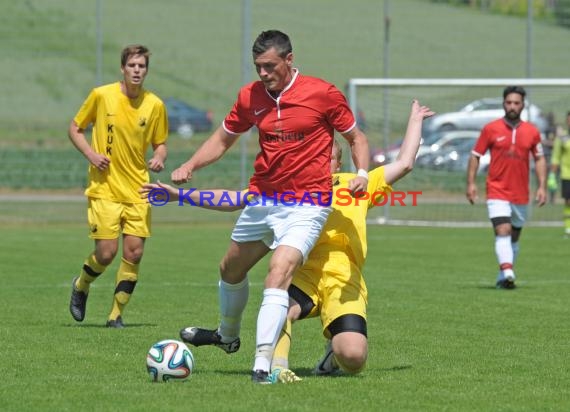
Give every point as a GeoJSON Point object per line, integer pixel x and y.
{"type": "Point", "coordinates": [296, 116]}
{"type": "Point", "coordinates": [511, 141]}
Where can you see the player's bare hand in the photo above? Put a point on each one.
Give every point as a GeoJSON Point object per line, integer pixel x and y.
{"type": "Point", "coordinates": [150, 191]}
{"type": "Point", "coordinates": [540, 197]}
{"type": "Point", "coordinates": [156, 165]}
{"type": "Point", "coordinates": [181, 175]}
{"type": "Point", "coordinates": [358, 184]}
{"type": "Point", "coordinates": [147, 188]}
{"type": "Point", "coordinates": [471, 193]}
{"type": "Point", "coordinates": [421, 111]}
{"type": "Point", "coordinates": [100, 161]}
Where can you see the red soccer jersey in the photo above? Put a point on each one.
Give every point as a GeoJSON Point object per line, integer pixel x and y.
{"type": "Point", "coordinates": [508, 176]}
{"type": "Point", "coordinates": [296, 132]}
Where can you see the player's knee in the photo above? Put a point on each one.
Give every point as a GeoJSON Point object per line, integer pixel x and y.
{"type": "Point", "coordinates": [352, 359]}
{"type": "Point", "coordinates": [105, 257]}
{"type": "Point", "coordinates": [133, 253]}
{"type": "Point", "coordinates": [133, 256]}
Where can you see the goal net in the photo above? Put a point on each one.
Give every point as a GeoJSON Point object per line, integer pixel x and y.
{"type": "Point", "coordinates": [383, 107]}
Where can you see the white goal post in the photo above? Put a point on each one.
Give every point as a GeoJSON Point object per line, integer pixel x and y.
{"type": "Point", "coordinates": [383, 104]}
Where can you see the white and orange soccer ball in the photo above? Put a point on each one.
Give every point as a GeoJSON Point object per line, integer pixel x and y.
{"type": "Point", "coordinates": [169, 360]}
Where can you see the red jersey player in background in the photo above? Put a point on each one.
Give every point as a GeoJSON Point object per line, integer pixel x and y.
{"type": "Point", "coordinates": [511, 141]}
{"type": "Point", "coordinates": [296, 116]}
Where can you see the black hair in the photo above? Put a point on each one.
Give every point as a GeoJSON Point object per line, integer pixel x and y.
{"type": "Point", "coordinates": [514, 89]}
{"type": "Point", "coordinates": [272, 38]}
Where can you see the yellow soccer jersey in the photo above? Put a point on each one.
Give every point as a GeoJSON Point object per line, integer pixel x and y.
{"type": "Point", "coordinates": [346, 226]}
{"type": "Point", "coordinates": [123, 129]}
{"type": "Point", "coordinates": [561, 156]}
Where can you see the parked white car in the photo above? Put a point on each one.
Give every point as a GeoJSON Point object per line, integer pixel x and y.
{"type": "Point", "coordinates": [478, 113]}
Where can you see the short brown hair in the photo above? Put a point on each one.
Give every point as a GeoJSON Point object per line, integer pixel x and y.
{"type": "Point", "coordinates": [133, 50]}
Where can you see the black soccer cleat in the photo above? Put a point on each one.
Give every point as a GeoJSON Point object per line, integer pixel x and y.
{"type": "Point", "coordinates": [78, 302]}
{"type": "Point", "coordinates": [116, 323]}
{"type": "Point", "coordinates": [326, 365]}
{"type": "Point", "coordinates": [263, 377]}
{"type": "Point", "coordinates": [200, 337]}
{"type": "Point", "coordinates": [506, 284]}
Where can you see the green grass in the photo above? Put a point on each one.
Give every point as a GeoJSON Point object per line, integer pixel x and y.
{"type": "Point", "coordinates": [441, 337]}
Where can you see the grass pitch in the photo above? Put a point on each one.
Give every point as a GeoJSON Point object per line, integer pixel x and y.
{"type": "Point", "coordinates": [441, 336]}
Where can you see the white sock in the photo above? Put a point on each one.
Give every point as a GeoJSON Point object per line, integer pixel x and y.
{"type": "Point", "coordinates": [501, 276]}
{"type": "Point", "coordinates": [515, 246]}
{"type": "Point", "coordinates": [270, 321]}
{"type": "Point", "coordinates": [504, 250]}
{"type": "Point", "coordinates": [233, 299]}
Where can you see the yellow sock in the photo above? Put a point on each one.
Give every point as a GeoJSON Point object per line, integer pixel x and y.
{"type": "Point", "coordinates": [567, 218]}
{"type": "Point", "coordinates": [281, 353]}
{"type": "Point", "coordinates": [90, 271]}
{"type": "Point", "coordinates": [125, 283]}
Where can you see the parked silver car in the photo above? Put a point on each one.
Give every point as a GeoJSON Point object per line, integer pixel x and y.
{"type": "Point", "coordinates": [430, 143]}
{"type": "Point", "coordinates": [478, 113]}
{"type": "Point", "coordinates": [453, 156]}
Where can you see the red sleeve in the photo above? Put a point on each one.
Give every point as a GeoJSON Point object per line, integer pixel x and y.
{"type": "Point", "coordinates": [482, 143]}
{"type": "Point", "coordinates": [338, 111]}
{"type": "Point", "coordinates": [238, 120]}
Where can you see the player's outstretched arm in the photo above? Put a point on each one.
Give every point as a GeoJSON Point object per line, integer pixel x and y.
{"type": "Point", "coordinates": [406, 158]}
{"type": "Point", "coordinates": [215, 199]}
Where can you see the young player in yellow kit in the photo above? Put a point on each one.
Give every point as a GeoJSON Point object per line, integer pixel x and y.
{"type": "Point", "coordinates": [126, 119]}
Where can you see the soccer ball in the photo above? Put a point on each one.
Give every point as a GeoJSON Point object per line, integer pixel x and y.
{"type": "Point", "coordinates": [169, 360]}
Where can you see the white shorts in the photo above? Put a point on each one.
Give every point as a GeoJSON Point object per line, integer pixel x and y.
{"type": "Point", "coordinates": [295, 226]}
{"type": "Point", "coordinates": [504, 208]}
